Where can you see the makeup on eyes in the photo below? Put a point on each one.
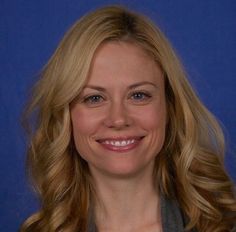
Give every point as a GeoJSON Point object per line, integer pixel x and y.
{"type": "Point", "coordinates": [137, 93]}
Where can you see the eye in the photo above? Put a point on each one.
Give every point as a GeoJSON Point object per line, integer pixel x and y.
{"type": "Point", "coordinates": [140, 96]}
{"type": "Point", "coordinates": [93, 99]}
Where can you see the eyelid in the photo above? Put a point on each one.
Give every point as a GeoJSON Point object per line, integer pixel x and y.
{"type": "Point", "coordinates": [90, 102]}
{"type": "Point", "coordinates": [143, 98]}
{"type": "Point", "coordinates": [145, 92]}
{"type": "Point", "coordinates": [89, 96]}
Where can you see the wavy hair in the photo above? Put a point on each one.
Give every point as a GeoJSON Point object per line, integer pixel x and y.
{"type": "Point", "coordinates": [190, 165]}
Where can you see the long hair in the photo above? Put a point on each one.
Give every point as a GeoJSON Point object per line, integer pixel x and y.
{"type": "Point", "coordinates": [190, 165]}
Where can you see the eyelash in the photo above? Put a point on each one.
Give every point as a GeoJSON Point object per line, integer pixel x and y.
{"type": "Point", "coordinates": [137, 96]}
{"type": "Point", "coordinates": [144, 95]}
{"type": "Point", "coordinates": [93, 99]}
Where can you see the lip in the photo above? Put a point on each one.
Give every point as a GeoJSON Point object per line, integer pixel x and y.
{"type": "Point", "coordinates": [120, 144]}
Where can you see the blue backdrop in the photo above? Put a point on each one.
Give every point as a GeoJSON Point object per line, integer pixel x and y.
{"type": "Point", "coordinates": [202, 32]}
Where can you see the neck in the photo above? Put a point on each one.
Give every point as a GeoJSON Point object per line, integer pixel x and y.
{"type": "Point", "coordinates": [128, 204]}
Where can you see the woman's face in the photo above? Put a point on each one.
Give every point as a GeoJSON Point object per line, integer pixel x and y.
{"type": "Point", "coordinates": [119, 118]}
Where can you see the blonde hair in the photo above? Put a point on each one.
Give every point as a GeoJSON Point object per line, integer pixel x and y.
{"type": "Point", "coordinates": [190, 165]}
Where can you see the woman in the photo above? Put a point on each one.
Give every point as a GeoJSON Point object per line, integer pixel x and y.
{"type": "Point", "coordinates": [121, 141]}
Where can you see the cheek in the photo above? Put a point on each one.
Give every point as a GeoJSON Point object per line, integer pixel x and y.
{"type": "Point", "coordinates": [83, 126]}
{"type": "Point", "coordinates": [155, 123]}
{"type": "Point", "coordinates": [84, 122]}
{"type": "Point", "coordinates": [153, 117]}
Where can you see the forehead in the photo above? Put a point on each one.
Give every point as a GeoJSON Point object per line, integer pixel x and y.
{"type": "Point", "coordinates": [123, 59]}
{"type": "Point", "coordinates": [121, 50]}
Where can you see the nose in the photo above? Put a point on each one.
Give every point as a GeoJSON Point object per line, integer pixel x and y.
{"type": "Point", "coordinates": [118, 116]}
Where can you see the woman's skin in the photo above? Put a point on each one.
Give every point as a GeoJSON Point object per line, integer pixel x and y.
{"type": "Point", "coordinates": [119, 124]}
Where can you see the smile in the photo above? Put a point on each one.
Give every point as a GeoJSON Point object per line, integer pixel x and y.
{"type": "Point", "coordinates": [119, 144]}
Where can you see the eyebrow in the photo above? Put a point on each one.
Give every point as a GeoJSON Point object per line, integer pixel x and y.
{"type": "Point", "coordinates": [142, 83]}
{"type": "Point", "coordinates": [133, 86]}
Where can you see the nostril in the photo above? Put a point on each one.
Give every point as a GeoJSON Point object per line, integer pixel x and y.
{"type": "Point", "coordinates": [118, 121]}
{"type": "Point", "coordinates": [118, 115]}
{"type": "Point", "coordinates": [118, 124]}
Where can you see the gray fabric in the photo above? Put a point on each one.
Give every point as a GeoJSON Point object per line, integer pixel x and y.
{"type": "Point", "coordinates": [172, 219]}
{"type": "Point", "coordinates": [92, 227]}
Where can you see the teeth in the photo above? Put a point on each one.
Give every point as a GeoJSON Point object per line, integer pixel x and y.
{"type": "Point", "coordinates": [117, 143]}
{"type": "Point", "coordinates": [121, 143]}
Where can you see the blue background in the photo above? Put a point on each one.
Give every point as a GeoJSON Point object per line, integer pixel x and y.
{"type": "Point", "coordinates": [202, 32]}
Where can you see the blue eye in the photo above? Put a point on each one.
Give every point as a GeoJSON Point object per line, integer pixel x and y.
{"type": "Point", "coordinates": [94, 99]}
{"type": "Point", "coordinates": [140, 96]}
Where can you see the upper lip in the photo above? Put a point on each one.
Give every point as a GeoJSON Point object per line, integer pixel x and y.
{"type": "Point", "coordinates": [122, 138]}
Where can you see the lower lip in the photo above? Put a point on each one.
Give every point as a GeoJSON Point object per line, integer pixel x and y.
{"type": "Point", "coordinates": [121, 149]}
